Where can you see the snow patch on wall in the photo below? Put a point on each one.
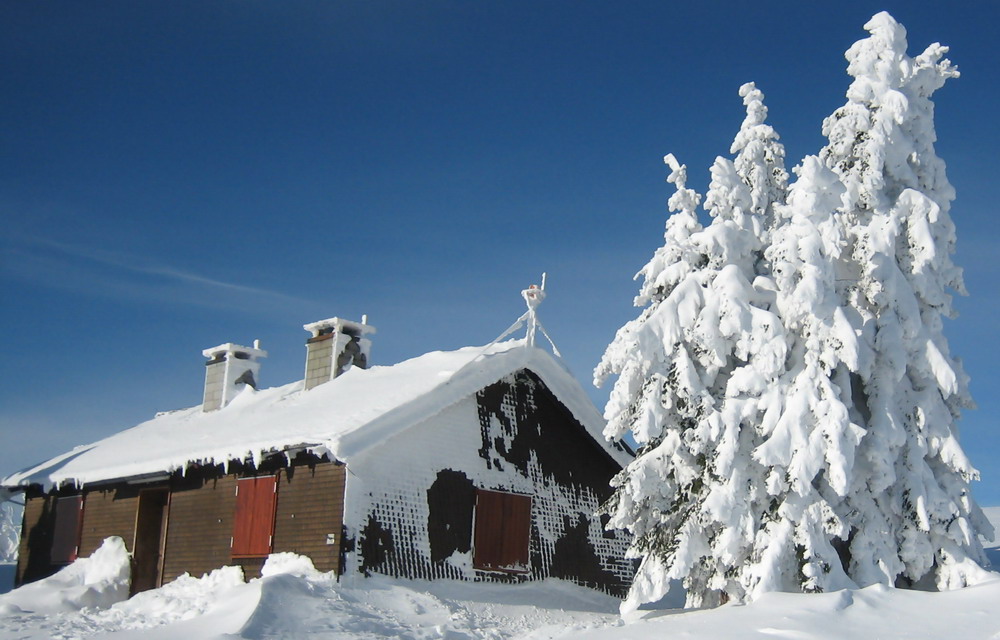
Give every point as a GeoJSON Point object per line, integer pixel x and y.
{"type": "Point", "coordinates": [386, 503]}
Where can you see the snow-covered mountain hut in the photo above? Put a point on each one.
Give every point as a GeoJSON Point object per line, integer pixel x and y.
{"type": "Point", "coordinates": [485, 463]}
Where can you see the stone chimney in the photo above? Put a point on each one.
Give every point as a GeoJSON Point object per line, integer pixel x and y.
{"type": "Point", "coordinates": [335, 346]}
{"type": "Point", "coordinates": [230, 367]}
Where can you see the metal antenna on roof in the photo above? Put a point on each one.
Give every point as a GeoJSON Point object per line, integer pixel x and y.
{"type": "Point", "coordinates": [533, 296]}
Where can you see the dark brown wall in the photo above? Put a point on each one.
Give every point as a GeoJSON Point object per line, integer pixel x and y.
{"type": "Point", "coordinates": [35, 533]}
{"type": "Point", "coordinates": [199, 524]}
{"type": "Point", "coordinates": [311, 507]}
{"type": "Point", "coordinates": [108, 511]}
{"type": "Point", "coordinates": [200, 519]}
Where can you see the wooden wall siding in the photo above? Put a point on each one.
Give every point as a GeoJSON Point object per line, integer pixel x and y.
{"type": "Point", "coordinates": [310, 501]}
{"type": "Point", "coordinates": [451, 500]}
{"type": "Point", "coordinates": [310, 511]}
{"type": "Point", "coordinates": [66, 529]}
{"type": "Point", "coordinates": [36, 540]}
{"type": "Point", "coordinates": [199, 525]}
{"type": "Point", "coordinates": [108, 511]}
{"type": "Point", "coordinates": [308, 520]}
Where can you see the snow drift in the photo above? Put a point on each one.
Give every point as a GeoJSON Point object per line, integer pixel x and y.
{"type": "Point", "coordinates": [98, 581]}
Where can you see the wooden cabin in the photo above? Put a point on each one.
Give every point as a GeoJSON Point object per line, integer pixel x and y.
{"type": "Point", "coordinates": [485, 463]}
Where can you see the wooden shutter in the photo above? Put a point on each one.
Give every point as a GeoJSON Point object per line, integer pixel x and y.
{"type": "Point", "coordinates": [503, 531]}
{"type": "Point", "coordinates": [66, 529]}
{"type": "Point", "coordinates": [253, 521]}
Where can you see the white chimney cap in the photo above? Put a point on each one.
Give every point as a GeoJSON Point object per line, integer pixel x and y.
{"type": "Point", "coordinates": [338, 324]}
{"type": "Point", "coordinates": [253, 353]}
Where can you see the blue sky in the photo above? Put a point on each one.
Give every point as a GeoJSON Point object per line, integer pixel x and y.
{"type": "Point", "coordinates": [178, 175]}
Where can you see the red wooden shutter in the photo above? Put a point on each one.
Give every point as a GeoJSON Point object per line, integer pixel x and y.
{"type": "Point", "coordinates": [503, 531]}
{"type": "Point", "coordinates": [517, 532]}
{"type": "Point", "coordinates": [66, 529]}
{"type": "Point", "coordinates": [253, 521]}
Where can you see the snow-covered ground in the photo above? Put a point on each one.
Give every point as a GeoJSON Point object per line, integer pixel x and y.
{"type": "Point", "coordinates": [292, 600]}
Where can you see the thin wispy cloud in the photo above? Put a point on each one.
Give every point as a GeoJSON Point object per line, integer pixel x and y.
{"type": "Point", "coordinates": [43, 260]}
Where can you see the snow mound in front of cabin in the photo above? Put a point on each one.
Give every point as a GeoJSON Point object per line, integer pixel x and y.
{"type": "Point", "coordinates": [381, 607]}
{"type": "Point", "coordinates": [182, 599]}
{"type": "Point", "coordinates": [98, 581]}
{"type": "Point", "coordinates": [293, 600]}
{"type": "Point", "coordinates": [292, 563]}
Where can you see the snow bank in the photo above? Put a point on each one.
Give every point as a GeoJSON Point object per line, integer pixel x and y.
{"type": "Point", "coordinates": [213, 606]}
{"type": "Point", "coordinates": [290, 563]}
{"type": "Point", "coordinates": [874, 612]}
{"type": "Point", "coordinates": [183, 599]}
{"type": "Point", "coordinates": [98, 581]}
{"type": "Point", "coordinates": [293, 600]}
{"type": "Point", "coordinates": [381, 607]}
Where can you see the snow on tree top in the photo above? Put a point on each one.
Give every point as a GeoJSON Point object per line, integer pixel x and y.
{"type": "Point", "coordinates": [343, 417]}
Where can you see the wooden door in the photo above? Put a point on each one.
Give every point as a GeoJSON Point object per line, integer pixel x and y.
{"type": "Point", "coordinates": [253, 521]}
{"type": "Point", "coordinates": [150, 538]}
{"type": "Point", "coordinates": [68, 519]}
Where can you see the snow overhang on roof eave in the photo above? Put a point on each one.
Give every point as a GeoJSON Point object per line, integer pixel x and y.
{"type": "Point", "coordinates": [473, 372]}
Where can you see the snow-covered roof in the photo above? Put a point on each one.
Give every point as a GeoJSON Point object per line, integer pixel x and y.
{"type": "Point", "coordinates": [343, 417]}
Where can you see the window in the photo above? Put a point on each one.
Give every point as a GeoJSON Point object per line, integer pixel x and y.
{"type": "Point", "coordinates": [503, 531]}
{"type": "Point", "coordinates": [253, 521]}
{"type": "Point", "coordinates": [66, 529]}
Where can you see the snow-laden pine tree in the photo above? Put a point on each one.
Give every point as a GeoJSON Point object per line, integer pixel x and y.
{"type": "Point", "coordinates": [912, 514]}
{"type": "Point", "coordinates": [808, 433]}
{"type": "Point", "coordinates": [788, 381]}
{"type": "Point", "coordinates": [692, 371]}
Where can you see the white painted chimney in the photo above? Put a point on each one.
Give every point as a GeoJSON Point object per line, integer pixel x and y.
{"type": "Point", "coordinates": [335, 346]}
{"type": "Point", "coordinates": [230, 367]}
